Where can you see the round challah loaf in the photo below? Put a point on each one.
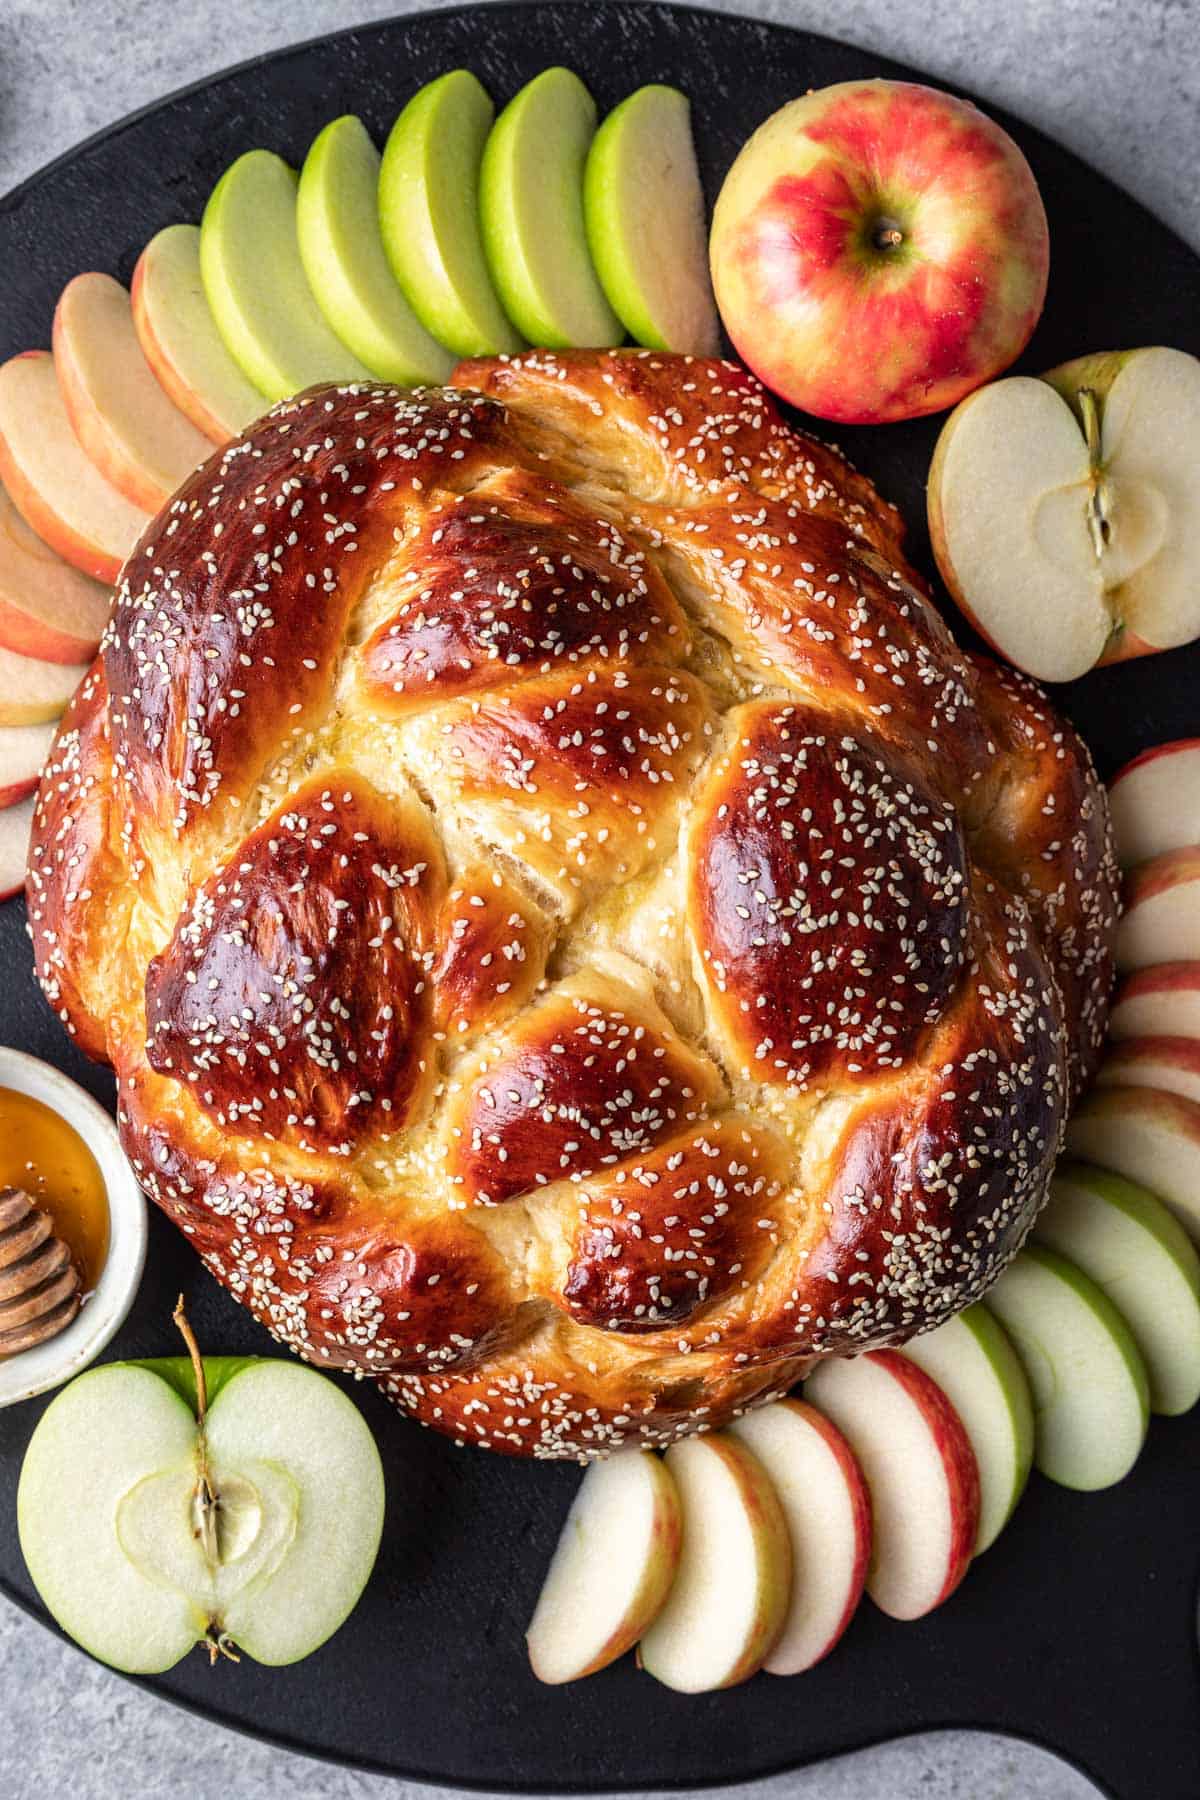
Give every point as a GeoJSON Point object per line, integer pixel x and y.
{"type": "Point", "coordinates": [575, 937]}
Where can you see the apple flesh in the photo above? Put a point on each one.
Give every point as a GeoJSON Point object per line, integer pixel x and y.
{"type": "Point", "coordinates": [51, 480]}
{"type": "Point", "coordinates": [146, 1530]}
{"type": "Point", "coordinates": [862, 214]}
{"type": "Point", "coordinates": [1169, 1064]}
{"type": "Point", "coordinates": [337, 224]}
{"type": "Point", "coordinates": [180, 340]}
{"type": "Point", "coordinates": [1155, 802]}
{"type": "Point", "coordinates": [531, 215]}
{"type": "Point", "coordinates": [1091, 1394]}
{"type": "Point", "coordinates": [828, 1512]}
{"type": "Point", "coordinates": [1160, 922]}
{"type": "Point", "coordinates": [429, 216]}
{"type": "Point", "coordinates": [16, 825]}
{"type": "Point", "coordinates": [646, 223]}
{"type": "Point", "coordinates": [32, 691]}
{"type": "Point", "coordinates": [972, 1361]}
{"type": "Point", "coordinates": [23, 750]}
{"type": "Point", "coordinates": [255, 284]}
{"type": "Point", "coordinates": [729, 1599]}
{"type": "Point", "coordinates": [1064, 511]}
{"type": "Point", "coordinates": [134, 433]}
{"type": "Point", "coordinates": [920, 1470]}
{"type": "Point", "coordinates": [1151, 1138]}
{"type": "Point", "coordinates": [1161, 1001]}
{"type": "Point", "coordinates": [47, 608]}
{"type": "Point", "coordinates": [612, 1570]}
{"type": "Point", "coordinates": [1131, 1246]}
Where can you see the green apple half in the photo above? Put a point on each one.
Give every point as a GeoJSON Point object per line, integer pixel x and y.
{"type": "Point", "coordinates": [1065, 511]}
{"type": "Point", "coordinates": [647, 226]}
{"type": "Point", "coordinates": [151, 1521]}
{"type": "Point", "coordinates": [1134, 1248]}
{"type": "Point", "coordinates": [531, 214]}
{"type": "Point", "coordinates": [255, 283]}
{"type": "Point", "coordinates": [1091, 1395]}
{"type": "Point", "coordinates": [337, 223]}
{"type": "Point", "coordinates": [429, 216]}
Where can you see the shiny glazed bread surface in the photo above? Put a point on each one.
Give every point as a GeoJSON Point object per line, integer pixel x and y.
{"type": "Point", "coordinates": [575, 936]}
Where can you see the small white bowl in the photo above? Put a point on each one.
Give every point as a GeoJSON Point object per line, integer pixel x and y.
{"type": "Point", "coordinates": [103, 1313]}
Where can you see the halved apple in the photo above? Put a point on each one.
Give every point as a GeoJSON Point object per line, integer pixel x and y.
{"type": "Point", "coordinates": [134, 433]}
{"type": "Point", "coordinates": [920, 1470]}
{"type": "Point", "coordinates": [23, 750]}
{"type": "Point", "coordinates": [1168, 1063]}
{"type": "Point", "coordinates": [1155, 802]}
{"type": "Point", "coordinates": [1131, 1246]}
{"type": "Point", "coordinates": [33, 691]}
{"type": "Point", "coordinates": [180, 340]}
{"type": "Point", "coordinates": [647, 224]}
{"type": "Point", "coordinates": [1160, 921]}
{"type": "Point", "coordinates": [429, 216]}
{"type": "Point", "coordinates": [1148, 1136]}
{"type": "Point", "coordinates": [1091, 1394]}
{"type": "Point", "coordinates": [337, 223]}
{"type": "Point", "coordinates": [16, 824]}
{"type": "Point", "coordinates": [612, 1570]}
{"type": "Point", "coordinates": [531, 215]}
{"type": "Point", "coordinates": [1065, 512]}
{"type": "Point", "coordinates": [972, 1361]}
{"type": "Point", "coordinates": [825, 1502]}
{"type": "Point", "coordinates": [255, 284]}
{"type": "Point", "coordinates": [1161, 1001]}
{"type": "Point", "coordinates": [47, 608]}
{"type": "Point", "coordinates": [729, 1599]}
{"type": "Point", "coordinates": [51, 480]}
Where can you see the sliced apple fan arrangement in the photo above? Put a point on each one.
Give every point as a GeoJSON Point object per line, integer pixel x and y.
{"type": "Point", "coordinates": [1065, 518]}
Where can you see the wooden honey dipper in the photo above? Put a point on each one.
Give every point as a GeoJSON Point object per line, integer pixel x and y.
{"type": "Point", "coordinates": [39, 1283]}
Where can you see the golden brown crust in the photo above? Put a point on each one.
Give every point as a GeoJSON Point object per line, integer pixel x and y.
{"type": "Point", "coordinates": [575, 935]}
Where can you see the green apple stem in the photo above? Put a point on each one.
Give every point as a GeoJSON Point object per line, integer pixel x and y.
{"type": "Point", "coordinates": [206, 1502]}
{"type": "Point", "coordinates": [1097, 506]}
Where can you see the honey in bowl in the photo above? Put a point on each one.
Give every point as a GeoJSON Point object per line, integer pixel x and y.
{"type": "Point", "coordinates": [43, 1155]}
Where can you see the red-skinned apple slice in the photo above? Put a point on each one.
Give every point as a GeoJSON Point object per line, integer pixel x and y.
{"type": "Point", "coordinates": [47, 608]}
{"type": "Point", "coordinates": [1170, 1064]}
{"type": "Point", "coordinates": [1064, 512]}
{"type": "Point", "coordinates": [16, 823]}
{"type": "Point", "coordinates": [1155, 802]}
{"type": "Point", "coordinates": [730, 1595]}
{"type": "Point", "coordinates": [23, 750]}
{"type": "Point", "coordinates": [920, 1470]}
{"type": "Point", "coordinates": [52, 481]}
{"type": "Point", "coordinates": [1149, 1137]}
{"type": "Point", "coordinates": [1161, 1001]}
{"type": "Point", "coordinates": [136, 436]}
{"type": "Point", "coordinates": [613, 1568]}
{"type": "Point", "coordinates": [824, 1499]}
{"type": "Point", "coordinates": [1161, 918]}
{"type": "Point", "coordinates": [32, 691]}
{"type": "Point", "coordinates": [179, 337]}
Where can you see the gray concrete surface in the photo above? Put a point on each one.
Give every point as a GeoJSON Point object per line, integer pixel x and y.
{"type": "Point", "coordinates": [1117, 80]}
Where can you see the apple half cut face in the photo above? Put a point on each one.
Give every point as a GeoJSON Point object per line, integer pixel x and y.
{"type": "Point", "coordinates": [136, 1568]}
{"type": "Point", "coordinates": [612, 1569]}
{"type": "Point", "coordinates": [1065, 511]}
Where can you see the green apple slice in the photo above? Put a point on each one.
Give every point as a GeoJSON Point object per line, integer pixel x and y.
{"type": "Point", "coordinates": [647, 223]}
{"type": "Point", "coordinates": [337, 222]}
{"type": "Point", "coordinates": [531, 214]}
{"type": "Point", "coordinates": [147, 1529]}
{"type": "Point", "coordinates": [1091, 1395]}
{"type": "Point", "coordinates": [429, 216]}
{"type": "Point", "coordinates": [255, 283]}
{"type": "Point", "coordinates": [973, 1362]}
{"type": "Point", "coordinates": [1134, 1248]}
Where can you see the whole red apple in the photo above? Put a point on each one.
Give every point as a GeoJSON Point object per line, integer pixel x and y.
{"type": "Point", "coordinates": [878, 250]}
